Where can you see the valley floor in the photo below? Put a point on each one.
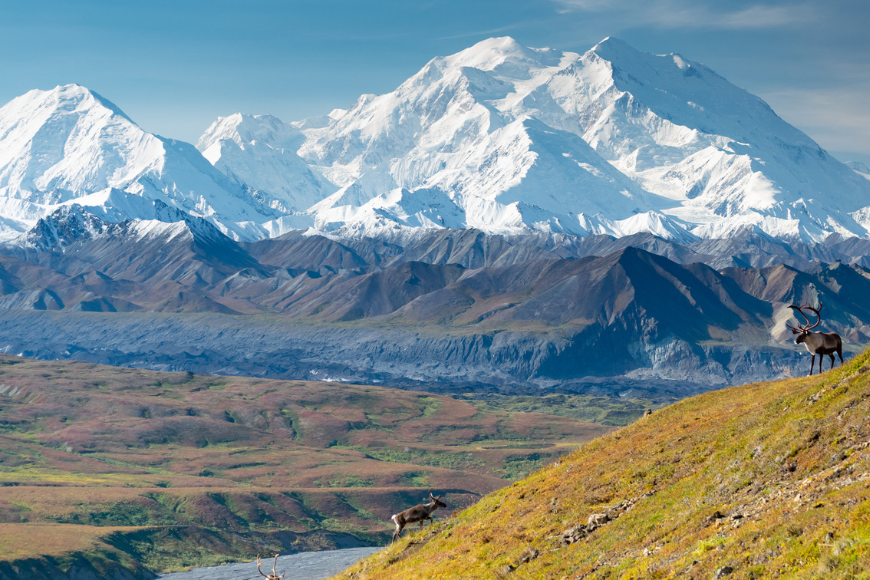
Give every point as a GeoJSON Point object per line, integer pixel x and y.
{"type": "Point", "coordinates": [122, 473]}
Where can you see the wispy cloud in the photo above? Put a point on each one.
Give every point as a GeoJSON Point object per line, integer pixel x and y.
{"type": "Point", "coordinates": [487, 32]}
{"type": "Point", "coordinates": [837, 118]}
{"type": "Point", "coordinates": [692, 14]}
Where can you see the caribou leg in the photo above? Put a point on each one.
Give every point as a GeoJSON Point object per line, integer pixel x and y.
{"type": "Point", "coordinates": [832, 361]}
{"type": "Point", "coordinates": [812, 364]}
{"type": "Point", "coordinates": [821, 359]}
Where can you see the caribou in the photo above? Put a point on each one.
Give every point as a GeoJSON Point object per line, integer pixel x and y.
{"type": "Point", "coordinates": [418, 513]}
{"type": "Point", "coordinates": [817, 343]}
{"type": "Point", "coordinates": [274, 574]}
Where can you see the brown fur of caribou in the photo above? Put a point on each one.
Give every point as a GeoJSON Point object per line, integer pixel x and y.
{"type": "Point", "coordinates": [817, 343]}
{"type": "Point", "coordinates": [418, 513]}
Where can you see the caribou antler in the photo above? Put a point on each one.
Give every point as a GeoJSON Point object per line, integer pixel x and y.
{"type": "Point", "coordinates": [816, 312]}
{"type": "Point", "coordinates": [799, 328]}
{"type": "Point", "coordinates": [274, 574]}
{"type": "Point", "coordinates": [800, 310]}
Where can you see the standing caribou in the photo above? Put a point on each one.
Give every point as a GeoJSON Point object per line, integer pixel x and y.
{"type": "Point", "coordinates": [818, 343]}
{"type": "Point", "coordinates": [418, 513]}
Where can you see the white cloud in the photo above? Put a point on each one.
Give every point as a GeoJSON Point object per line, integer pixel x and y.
{"type": "Point", "coordinates": [488, 32]}
{"type": "Point", "coordinates": [691, 14]}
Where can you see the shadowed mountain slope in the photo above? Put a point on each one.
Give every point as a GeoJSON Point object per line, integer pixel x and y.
{"type": "Point", "coordinates": [456, 309]}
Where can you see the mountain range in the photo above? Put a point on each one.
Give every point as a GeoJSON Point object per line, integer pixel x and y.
{"type": "Point", "coordinates": [452, 311]}
{"type": "Point", "coordinates": [508, 219]}
{"type": "Point", "coordinates": [499, 137]}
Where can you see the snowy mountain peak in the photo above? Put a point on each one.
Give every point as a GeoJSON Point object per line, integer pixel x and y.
{"type": "Point", "coordinates": [499, 137]}
{"type": "Point", "coordinates": [516, 139]}
{"type": "Point", "coordinates": [54, 144]}
{"type": "Point", "coordinates": [243, 128]}
{"type": "Point", "coordinates": [65, 226]}
{"type": "Point", "coordinates": [494, 54]}
{"type": "Point", "coordinates": [63, 144]}
{"type": "Point", "coordinates": [259, 152]}
{"type": "Point", "coordinates": [67, 97]}
{"type": "Point", "coordinates": [610, 47]}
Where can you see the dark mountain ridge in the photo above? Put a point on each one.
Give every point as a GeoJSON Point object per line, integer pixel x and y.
{"type": "Point", "coordinates": [455, 309]}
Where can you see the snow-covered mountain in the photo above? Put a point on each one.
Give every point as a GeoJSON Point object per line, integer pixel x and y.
{"type": "Point", "coordinates": [70, 145]}
{"type": "Point", "coordinates": [72, 223]}
{"type": "Point", "coordinates": [506, 139]}
{"type": "Point", "coordinates": [499, 137]}
{"type": "Point", "coordinates": [259, 151]}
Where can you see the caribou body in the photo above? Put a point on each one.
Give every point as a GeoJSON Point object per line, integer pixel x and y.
{"type": "Point", "coordinates": [817, 343]}
{"type": "Point", "coordinates": [418, 513]}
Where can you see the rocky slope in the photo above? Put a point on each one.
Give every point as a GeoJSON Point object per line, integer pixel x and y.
{"type": "Point", "coordinates": [760, 481]}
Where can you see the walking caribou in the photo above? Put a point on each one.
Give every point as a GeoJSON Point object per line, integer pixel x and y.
{"type": "Point", "coordinates": [818, 343]}
{"type": "Point", "coordinates": [418, 513]}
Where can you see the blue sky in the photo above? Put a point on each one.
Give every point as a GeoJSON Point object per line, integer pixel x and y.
{"type": "Point", "coordinates": [174, 66]}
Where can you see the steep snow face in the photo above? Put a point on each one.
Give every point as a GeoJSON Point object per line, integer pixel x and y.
{"type": "Point", "coordinates": [260, 152]}
{"type": "Point", "coordinates": [62, 144]}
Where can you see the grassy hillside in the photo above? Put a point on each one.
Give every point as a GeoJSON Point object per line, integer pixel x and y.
{"type": "Point", "coordinates": [760, 481]}
{"type": "Point", "coordinates": [176, 469]}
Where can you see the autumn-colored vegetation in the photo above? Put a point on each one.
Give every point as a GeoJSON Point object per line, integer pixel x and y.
{"type": "Point", "coordinates": [177, 469]}
{"type": "Point", "coordinates": [767, 480]}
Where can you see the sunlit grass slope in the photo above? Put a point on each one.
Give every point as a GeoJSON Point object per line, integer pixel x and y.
{"type": "Point", "coordinates": [760, 481]}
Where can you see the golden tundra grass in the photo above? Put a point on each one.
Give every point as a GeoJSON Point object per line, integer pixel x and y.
{"type": "Point", "coordinates": [23, 541]}
{"type": "Point", "coordinates": [767, 480]}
